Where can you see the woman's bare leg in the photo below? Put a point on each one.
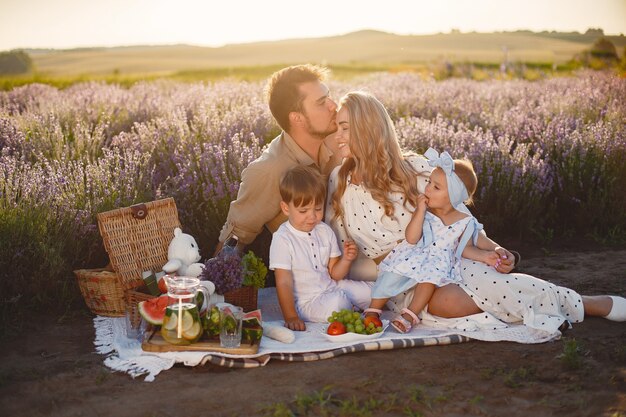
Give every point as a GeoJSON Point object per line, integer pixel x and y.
{"type": "Point", "coordinates": [597, 305]}
{"type": "Point", "coordinates": [450, 301]}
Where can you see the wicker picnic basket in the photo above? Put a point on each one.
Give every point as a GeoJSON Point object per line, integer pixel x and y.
{"type": "Point", "coordinates": [244, 297]}
{"type": "Point", "coordinates": [136, 238]}
{"type": "Point", "coordinates": [102, 291]}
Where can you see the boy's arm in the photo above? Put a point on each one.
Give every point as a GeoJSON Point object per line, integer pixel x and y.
{"type": "Point", "coordinates": [338, 267]}
{"type": "Point", "coordinates": [284, 289]}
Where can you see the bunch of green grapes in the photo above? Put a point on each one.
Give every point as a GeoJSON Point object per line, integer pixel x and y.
{"type": "Point", "coordinates": [354, 323]}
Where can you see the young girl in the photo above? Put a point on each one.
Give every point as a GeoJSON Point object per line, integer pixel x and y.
{"type": "Point", "coordinates": [437, 235]}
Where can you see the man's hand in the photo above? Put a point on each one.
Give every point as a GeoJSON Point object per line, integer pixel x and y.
{"type": "Point", "coordinates": [218, 248]}
{"type": "Point", "coordinates": [240, 247]}
{"type": "Point", "coordinates": [350, 250]}
{"type": "Point", "coordinates": [507, 260]}
{"type": "Point", "coordinates": [294, 323]}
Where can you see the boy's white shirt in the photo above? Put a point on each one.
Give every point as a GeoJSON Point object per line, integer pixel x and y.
{"type": "Point", "coordinates": [306, 255]}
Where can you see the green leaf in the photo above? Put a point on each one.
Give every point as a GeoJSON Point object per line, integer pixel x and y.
{"type": "Point", "coordinates": [255, 270]}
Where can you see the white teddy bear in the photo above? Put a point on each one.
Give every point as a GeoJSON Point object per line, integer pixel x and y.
{"type": "Point", "coordinates": [183, 255]}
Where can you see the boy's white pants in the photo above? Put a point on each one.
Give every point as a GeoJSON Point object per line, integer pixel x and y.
{"type": "Point", "coordinates": [344, 295]}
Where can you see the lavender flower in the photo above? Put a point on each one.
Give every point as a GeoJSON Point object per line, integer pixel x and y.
{"type": "Point", "coordinates": [225, 271]}
{"type": "Point", "coordinates": [549, 154]}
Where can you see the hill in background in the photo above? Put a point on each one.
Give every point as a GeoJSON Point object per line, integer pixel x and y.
{"type": "Point", "coordinates": [358, 48]}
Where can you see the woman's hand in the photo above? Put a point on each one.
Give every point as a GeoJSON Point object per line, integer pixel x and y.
{"type": "Point", "coordinates": [507, 260]}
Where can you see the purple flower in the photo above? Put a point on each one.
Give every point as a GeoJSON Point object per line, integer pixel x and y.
{"type": "Point", "coordinates": [225, 271]}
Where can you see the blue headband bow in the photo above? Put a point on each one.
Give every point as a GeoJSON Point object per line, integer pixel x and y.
{"type": "Point", "coordinates": [456, 189]}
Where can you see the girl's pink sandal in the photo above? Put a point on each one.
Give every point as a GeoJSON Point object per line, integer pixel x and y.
{"type": "Point", "coordinates": [372, 310]}
{"type": "Point", "coordinates": [401, 324]}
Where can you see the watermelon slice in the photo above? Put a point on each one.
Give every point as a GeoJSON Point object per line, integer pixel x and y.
{"type": "Point", "coordinates": [251, 326]}
{"type": "Point", "coordinates": [153, 310]}
{"type": "Point", "coordinates": [252, 318]}
{"type": "Point", "coordinates": [252, 334]}
{"type": "Point", "coordinates": [162, 284]}
{"type": "Point", "coordinates": [254, 313]}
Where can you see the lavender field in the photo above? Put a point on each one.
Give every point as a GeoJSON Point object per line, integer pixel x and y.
{"type": "Point", "coordinates": [550, 157]}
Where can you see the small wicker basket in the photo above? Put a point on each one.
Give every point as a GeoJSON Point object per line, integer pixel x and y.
{"type": "Point", "coordinates": [102, 291]}
{"type": "Point", "coordinates": [244, 297]}
{"type": "Point", "coordinates": [133, 297]}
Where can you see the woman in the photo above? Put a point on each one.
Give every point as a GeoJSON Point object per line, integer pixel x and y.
{"type": "Point", "coordinates": [371, 197]}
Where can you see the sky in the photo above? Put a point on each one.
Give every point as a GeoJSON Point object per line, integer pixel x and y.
{"type": "Point", "coordinates": [64, 24]}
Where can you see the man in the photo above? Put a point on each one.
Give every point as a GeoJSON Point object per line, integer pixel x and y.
{"type": "Point", "coordinates": [301, 104]}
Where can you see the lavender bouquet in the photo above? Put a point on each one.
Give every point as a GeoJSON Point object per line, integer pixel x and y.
{"type": "Point", "coordinates": [229, 271]}
{"type": "Point", "coordinates": [224, 271]}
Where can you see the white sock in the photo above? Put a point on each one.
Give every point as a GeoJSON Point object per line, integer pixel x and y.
{"type": "Point", "coordinates": [618, 311]}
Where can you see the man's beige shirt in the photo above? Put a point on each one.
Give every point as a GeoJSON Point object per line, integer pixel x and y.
{"type": "Point", "coordinates": [258, 199]}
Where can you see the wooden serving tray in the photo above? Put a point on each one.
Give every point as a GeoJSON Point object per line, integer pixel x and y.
{"type": "Point", "coordinates": [156, 343]}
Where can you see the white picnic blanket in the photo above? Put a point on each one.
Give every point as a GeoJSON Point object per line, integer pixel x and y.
{"type": "Point", "coordinates": [125, 354]}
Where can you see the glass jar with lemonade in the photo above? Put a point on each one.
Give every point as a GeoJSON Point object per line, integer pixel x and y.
{"type": "Point", "coordinates": [181, 324]}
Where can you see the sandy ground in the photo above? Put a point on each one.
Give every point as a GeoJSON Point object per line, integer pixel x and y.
{"type": "Point", "coordinates": [53, 370]}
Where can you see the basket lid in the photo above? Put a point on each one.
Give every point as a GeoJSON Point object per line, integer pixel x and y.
{"type": "Point", "coordinates": [136, 238]}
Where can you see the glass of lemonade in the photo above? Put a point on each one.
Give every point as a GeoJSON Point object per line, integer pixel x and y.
{"type": "Point", "coordinates": [181, 324]}
{"type": "Point", "coordinates": [230, 325]}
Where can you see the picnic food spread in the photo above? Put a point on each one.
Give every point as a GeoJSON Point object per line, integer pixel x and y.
{"type": "Point", "coordinates": [190, 312]}
{"type": "Point", "coordinates": [184, 321]}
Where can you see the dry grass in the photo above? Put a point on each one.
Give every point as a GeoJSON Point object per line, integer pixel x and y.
{"type": "Point", "coordinates": [368, 47]}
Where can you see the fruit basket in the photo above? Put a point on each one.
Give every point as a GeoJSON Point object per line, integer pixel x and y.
{"type": "Point", "coordinates": [102, 291]}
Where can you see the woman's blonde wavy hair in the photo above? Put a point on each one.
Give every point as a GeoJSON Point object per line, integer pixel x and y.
{"type": "Point", "coordinates": [376, 154]}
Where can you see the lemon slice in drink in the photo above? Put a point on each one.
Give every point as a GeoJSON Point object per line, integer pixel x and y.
{"type": "Point", "coordinates": [187, 321]}
{"type": "Point", "coordinates": [172, 322]}
{"type": "Point", "coordinates": [193, 332]}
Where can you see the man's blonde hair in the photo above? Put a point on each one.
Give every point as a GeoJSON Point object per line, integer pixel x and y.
{"type": "Point", "coordinates": [302, 185]}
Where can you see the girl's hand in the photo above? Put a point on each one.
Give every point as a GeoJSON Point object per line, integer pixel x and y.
{"type": "Point", "coordinates": [350, 250]}
{"type": "Point", "coordinates": [491, 258]}
{"type": "Point", "coordinates": [507, 260]}
{"type": "Point", "coordinates": [294, 323]}
{"type": "Point", "coordinates": [422, 204]}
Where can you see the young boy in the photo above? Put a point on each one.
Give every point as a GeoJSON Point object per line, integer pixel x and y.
{"type": "Point", "coordinates": [306, 259]}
